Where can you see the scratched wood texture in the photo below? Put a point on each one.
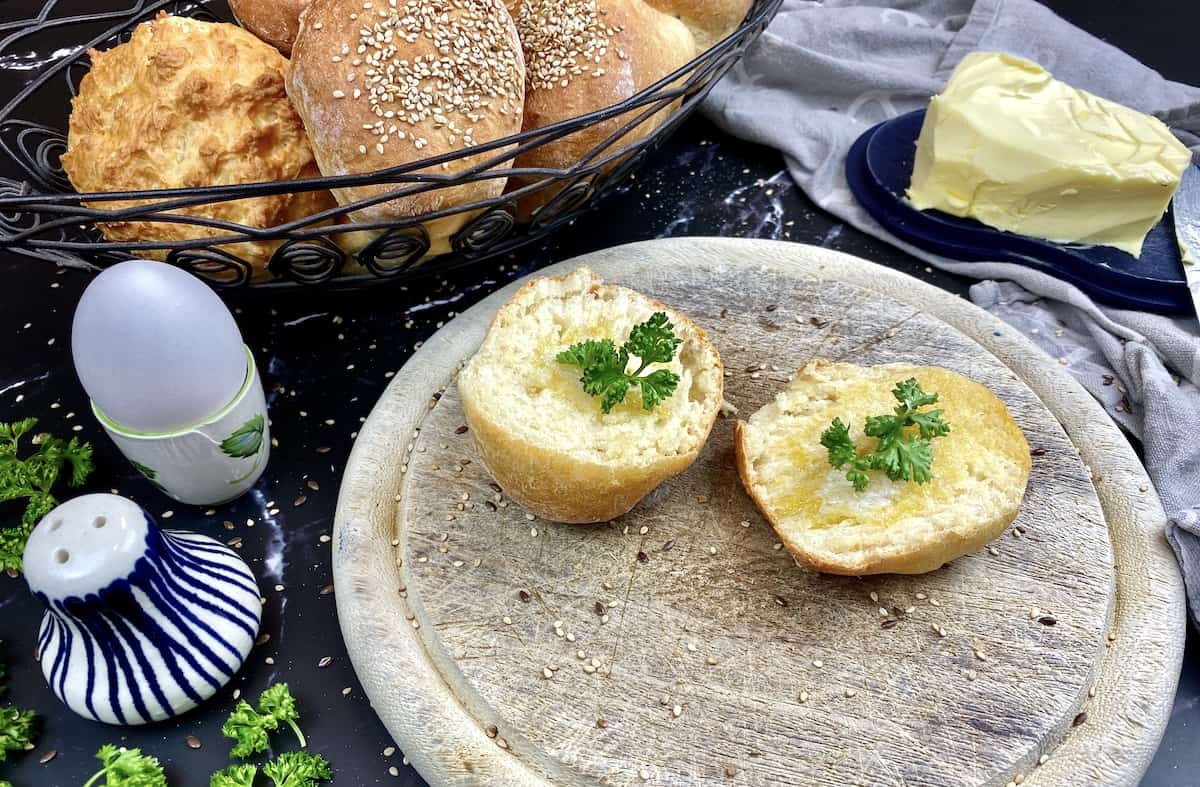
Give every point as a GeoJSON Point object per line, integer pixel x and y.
{"type": "Point", "coordinates": [708, 656]}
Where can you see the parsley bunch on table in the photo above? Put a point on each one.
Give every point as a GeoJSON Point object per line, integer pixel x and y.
{"type": "Point", "coordinates": [126, 768]}
{"type": "Point", "coordinates": [903, 456]}
{"type": "Point", "coordinates": [17, 727]}
{"type": "Point", "coordinates": [249, 727]}
{"type": "Point", "coordinates": [293, 769]}
{"type": "Point", "coordinates": [603, 365]}
{"type": "Point", "coordinates": [32, 477]}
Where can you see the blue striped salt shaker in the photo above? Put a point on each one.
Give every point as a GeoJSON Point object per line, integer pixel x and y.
{"type": "Point", "coordinates": [141, 624]}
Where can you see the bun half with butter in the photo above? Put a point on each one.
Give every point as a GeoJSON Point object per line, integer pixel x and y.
{"type": "Point", "coordinates": [545, 439]}
{"type": "Point", "coordinates": [977, 479]}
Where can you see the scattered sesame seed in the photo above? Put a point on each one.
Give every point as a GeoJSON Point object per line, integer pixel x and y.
{"type": "Point", "coordinates": [677, 711]}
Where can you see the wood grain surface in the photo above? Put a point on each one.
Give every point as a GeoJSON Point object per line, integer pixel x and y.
{"type": "Point", "coordinates": [678, 644]}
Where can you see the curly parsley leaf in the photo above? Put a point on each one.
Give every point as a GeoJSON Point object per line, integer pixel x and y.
{"type": "Point", "coordinates": [234, 776]}
{"type": "Point", "coordinates": [901, 455]}
{"type": "Point", "coordinates": [127, 768]}
{"type": "Point", "coordinates": [298, 769]}
{"type": "Point", "coordinates": [32, 478]}
{"type": "Point", "coordinates": [654, 341]}
{"type": "Point", "coordinates": [249, 728]}
{"type": "Point", "coordinates": [604, 367]}
{"type": "Point", "coordinates": [278, 702]}
{"type": "Point", "coordinates": [17, 730]}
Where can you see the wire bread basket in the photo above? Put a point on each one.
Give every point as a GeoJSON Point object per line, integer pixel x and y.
{"type": "Point", "coordinates": [42, 216]}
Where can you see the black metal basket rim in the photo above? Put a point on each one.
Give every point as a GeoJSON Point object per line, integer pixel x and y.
{"type": "Point", "coordinates": [400, 173]}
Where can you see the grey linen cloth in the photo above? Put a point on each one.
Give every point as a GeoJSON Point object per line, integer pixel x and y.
{"type": "Point", "coordinates": [825, 72]}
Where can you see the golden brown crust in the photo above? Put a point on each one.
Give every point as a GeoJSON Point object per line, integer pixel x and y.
{"type": "Point", "coordinates": [897, 553]}
{"type": "Point", "coordinates": [709, 20]}
{"type": "Point", "coordinates": [274, 21]}
{"type": "Point", "coordinates": [187, 103]}
{"type": "Point", "coordinates": [643, 46]}
{"type": "Point", "coordinates": [341, 86]}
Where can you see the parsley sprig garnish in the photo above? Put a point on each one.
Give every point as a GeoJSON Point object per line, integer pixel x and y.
{"type": "Point", "coordinates": [32, 478]}
{"type": "Point", "coordinates": [17, 727]}
{"type": "Point", "coordinates": [902, 456]}
{"type": "Point", "coordinates": [249, 727]}
{"type": "Point", "coordinates": [127, 768]}
{"type": "Point", "coordinates": [293, 769]}
{"type": "Point", "coordinates": [604, 366]}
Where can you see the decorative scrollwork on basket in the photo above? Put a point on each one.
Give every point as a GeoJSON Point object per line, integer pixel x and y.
{"type": "Point", "coordinates": [38, 221]}
{"type": "Point", "coordinates": [308, 260]}
{"type": "Point", "coordinates": [561, 206]}
{"type": "Point", "coordinates": [486, 230]}
{"type": "Point", "coordinates": [14, 220]}
{"type": "Point", "coordinates": [216, 266]}
{"type": "Point", "coordinates": [395, 251]}
{"type": "Point", "coordinates": [36, 149]}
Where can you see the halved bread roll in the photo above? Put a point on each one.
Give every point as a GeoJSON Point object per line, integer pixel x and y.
{"type": "Point", "coordinates": [545, 440]}
{"type": "Point", "coordinates": [980, 470]}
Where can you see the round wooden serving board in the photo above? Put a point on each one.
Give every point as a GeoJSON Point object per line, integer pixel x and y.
{"type": "Point", "coordinates": [684, 647]}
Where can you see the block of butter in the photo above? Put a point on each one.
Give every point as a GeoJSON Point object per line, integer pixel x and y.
{"type": "Point", "coordinates": [1007, 144]}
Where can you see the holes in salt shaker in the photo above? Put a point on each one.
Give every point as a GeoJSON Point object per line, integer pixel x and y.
{"type": "Point", "coordinates": [61, 556]}
{"type": "Point", "coordinates": [55, 525]}
{"type": "Point", "coordinates": [99, 522]}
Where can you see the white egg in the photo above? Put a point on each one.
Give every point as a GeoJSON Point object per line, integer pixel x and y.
{"type": "Point", "coordinates": [155, 348]}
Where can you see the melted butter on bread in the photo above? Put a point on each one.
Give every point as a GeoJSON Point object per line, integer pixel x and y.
{"type": "Point", "coordinates": [979, 472]}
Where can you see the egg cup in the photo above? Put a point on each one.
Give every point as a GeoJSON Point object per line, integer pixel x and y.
{"type": "Point", "coordinates": [210, 462]}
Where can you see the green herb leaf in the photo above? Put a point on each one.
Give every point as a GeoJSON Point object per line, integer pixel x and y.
{"type": "Point", "coordinates": [654, 341]}
{"type": "Point", "coordinates": [32, 478]}
{"type": "Point", "coordinates": [127, 768]}
{"type": "Point", "coordinates": [277, 702]}
{"type": "Point", "coordinates": [246, 441]}
{"type": "Point", "coordinates": [234, 776]}
{"type": "Point", "coordinates": [902, 456]}
{"type": "Point", "coordinates": [604, 367]}
{"type": "Point", "coordinates": [17, 728]}
{"type": "Point", "coordinates": [298, 769]}
{"type": "Point", "coordinates": [250, 728]}
{"type": "Point", "coordinates": [656, 386]}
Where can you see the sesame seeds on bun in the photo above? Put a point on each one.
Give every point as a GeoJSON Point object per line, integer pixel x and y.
{"type": "Point", "coordinates": [382, 83]}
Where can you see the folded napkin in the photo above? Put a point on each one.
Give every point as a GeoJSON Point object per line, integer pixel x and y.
{"type": "Point", "coordinates": [825, 72]}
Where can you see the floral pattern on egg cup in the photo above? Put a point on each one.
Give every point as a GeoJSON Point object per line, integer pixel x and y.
{"type": "Point", "coordinates": [210, 462]}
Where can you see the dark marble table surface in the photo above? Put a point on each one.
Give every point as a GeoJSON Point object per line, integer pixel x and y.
{"type": "Point", "coordinates": [325, 359]}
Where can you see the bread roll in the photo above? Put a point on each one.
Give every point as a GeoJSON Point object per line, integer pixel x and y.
{"type": "Point", "coordinates": [544, 439]}
{"type": "Point", "coordinates": [709, 20]}
{"type": "Point", "coordinates": [186, 103]}
{"type": "Point", "coordinates": [274, 21]}
{"type": "Point", "coordinates": [381, 85]}
{"type": "Point", "coordinates": [585, 55]}
{"type": "Point", "coordinates": [980, 470]}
